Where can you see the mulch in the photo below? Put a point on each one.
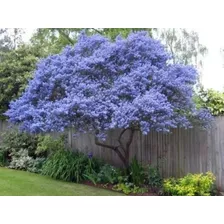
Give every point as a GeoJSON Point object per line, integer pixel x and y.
{"type": "Point", "coordinates": [110, 187]}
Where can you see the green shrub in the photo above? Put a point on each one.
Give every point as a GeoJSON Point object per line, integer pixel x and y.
{"type": "Point", "coordinates": [20, 160]}
{"type": "Point", "coordinates": [190, 185]}
{"type": "Point", "coordinates": [47, 145]}
{"type": "Point", "coordinates": [14, 141]}
{"type": "Point", "coordinates": [36, 165]}
{"type": "Point", "coordinates": [212, 100]}
{"type": "Point", "coordinates": [69, 166]}
{"type": "Point", "coordinates": [137, 172]}
{"type": "Point", "coordinates": [154, 179]}
{"type": "Point", "coordinates": [107, 174]}
{"type": "Point", "coordinates": [3, 158]}
{"type": "Point", "coordinates": [129, 188]}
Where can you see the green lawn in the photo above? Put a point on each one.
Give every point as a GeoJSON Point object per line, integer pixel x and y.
{"type": "Point", "coordinates": [21, 183]}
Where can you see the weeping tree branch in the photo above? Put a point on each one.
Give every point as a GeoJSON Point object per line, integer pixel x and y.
{"type": "Point", "coordinates": [66, 36]}
{"type": "Point", "coordinates": [96, 30]}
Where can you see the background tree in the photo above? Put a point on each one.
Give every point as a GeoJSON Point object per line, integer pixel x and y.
{"type": "Point", "coordinates": [16, 69]}
{"type": "Point", "coordinates": [112, 33]}
{"type": "Point", "coordinates": [211, 99]}
{"type": "Point", "coordinates": [5, 41]}
{"type": "Point", "coordinates": [53, 40]}
{"type": "Point", "coordinates": [184, 46]}
{"type": "Point", "coordinates": [10, 39]}
{"type": "Point", "coordinates": [100, 85]}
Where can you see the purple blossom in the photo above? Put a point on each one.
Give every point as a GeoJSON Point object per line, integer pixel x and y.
{"type": "Point", "coordinates": [98, 85]}
{"type": "Point", "coordinates": [90, 155]}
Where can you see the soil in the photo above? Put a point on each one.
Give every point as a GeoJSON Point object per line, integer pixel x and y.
{"type": "Point", "coordinates": [110, 187]}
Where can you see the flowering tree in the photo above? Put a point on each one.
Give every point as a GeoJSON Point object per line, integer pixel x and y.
{"type": "Point", "coordinates": [99, 85]}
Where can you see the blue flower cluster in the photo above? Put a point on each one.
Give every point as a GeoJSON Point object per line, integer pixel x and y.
{"type": "Point", "coordinates": [99, 85]}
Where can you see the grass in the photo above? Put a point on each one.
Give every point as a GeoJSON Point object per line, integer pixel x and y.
{"type": "Point", "coordinates": [21, 183]}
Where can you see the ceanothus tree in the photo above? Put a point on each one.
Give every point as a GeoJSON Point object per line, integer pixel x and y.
{"type": "Point", "coordinates": [99, 85]}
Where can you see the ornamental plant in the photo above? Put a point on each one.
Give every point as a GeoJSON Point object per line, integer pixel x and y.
{"type": "Point", "coordinates": [190, 185]}
{"type": "Point", "coordinates": [99, 85]}
{"type": "Point", "coordinates": [212, 100]}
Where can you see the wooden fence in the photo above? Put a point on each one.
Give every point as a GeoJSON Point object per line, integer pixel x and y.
{"type": "Point", "coordinates": [177, 153]}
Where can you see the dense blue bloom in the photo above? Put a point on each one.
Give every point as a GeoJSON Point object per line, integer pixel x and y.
{"type": "Point", "coordinates": [99, 85]}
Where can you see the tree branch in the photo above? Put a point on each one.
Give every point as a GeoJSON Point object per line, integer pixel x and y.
{"type": "Point", "coordinates": [66, 36]}
{"type": "Point", "coordinates": [114, 148]}
{"type": "Point", "coordinates": [119, 139]}
{"type": "Point", "coordinates": [104, 145]}
{"type": "Point", "coordinates": [97, 31]}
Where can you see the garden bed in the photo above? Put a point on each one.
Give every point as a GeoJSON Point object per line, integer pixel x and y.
{"type": "Point", "coordinates": [110, 187]}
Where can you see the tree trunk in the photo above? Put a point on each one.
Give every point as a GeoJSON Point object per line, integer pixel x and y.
{"type": "Point", "coordinates": [122, 150]}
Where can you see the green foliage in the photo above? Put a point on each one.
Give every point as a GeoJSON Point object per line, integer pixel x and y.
{"type": "Point", "coordinates": [10, 38]}
{"type": "Point", "coordinates": [14, 141]}
{"type": "Point", "coordinates": [190, 185]}
{"type": "Point", "coordinates": [47, 145]}
{"type": "Point", "coordinates": [53, 40]}
{"type": "Point", "coordinates": [69, 166]}
{"type": "Point", "coordinates": [112, 33]}
{"type": "Point", "coordinates": [212, 100]}
{"type": "Point", "coordinates": [154, 179]}
{"type": "Point", "coordinates": [16, 69]}
{"type": "Point", "coordinates": [184, 45]}
{"type": "Point", "coordinates": [36, 165]}
{"type": "Point", "coordinates": [20, 160]}
{"type": "Point", "coordinates": [107, 174]}
{"type": "Point", "coordinates": [137, 172]}
{"type": "Point", "coordinates": [3, 158]}
{"type": "Point", "coordinates": [91, 176]}
{"type": "Point", "coordinates": [129, 188]}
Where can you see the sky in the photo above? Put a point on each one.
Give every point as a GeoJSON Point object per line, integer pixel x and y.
{"type": "Point", "coordinates": [213, 70]}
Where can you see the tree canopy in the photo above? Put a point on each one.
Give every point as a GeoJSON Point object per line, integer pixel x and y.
{"type": "Point", "coordinates": [53, 40]}
{"type": "Point", "coordinates": [184, 45]}
{"type": "Point", "coordinates": [16, 69]}
{"type": "Point", "coordinates": [10, 39]}
{"type": "Point", "coordinates": [212, 100]}
{"type": "Point", "coordinates": [98, 85]}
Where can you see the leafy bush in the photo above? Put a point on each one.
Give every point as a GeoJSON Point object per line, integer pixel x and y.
{"type": "Point", "coordinates": [107, 174]}
{"type": "Point", "coordinates": [69, 166]}
{"type": "Point", "coordinates": [36, 165]}
{"type": "Point", "coordinates": [47, 145]}
{"type": "Point", "coordinates": [128, 188]}
{"type": "Point", "coordinates": [14, 141]}
{"type": "Point", "coordinates": [137, 172]}
{"type": "Point", "coordinates": [212, 100]}
{"type": "Point", "coordinates": [190, 185]}
{"type": "Point", "coordinates": [20, 160]}
{"type": "Point", "coordinates": [3, 158]}
{"type": "Point", "coordinates": [154, 179]}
